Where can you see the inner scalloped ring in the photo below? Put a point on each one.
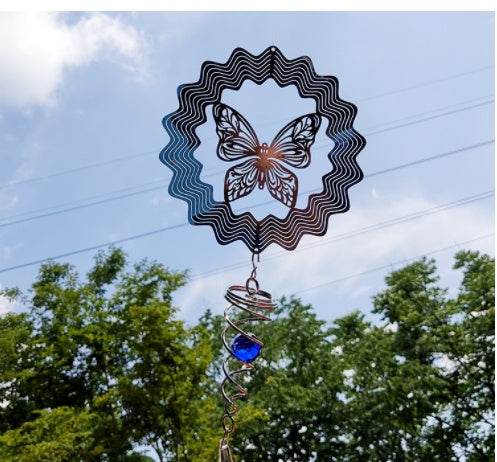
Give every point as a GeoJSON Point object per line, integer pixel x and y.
{"type": "Point", "coordinates": [186, 183]}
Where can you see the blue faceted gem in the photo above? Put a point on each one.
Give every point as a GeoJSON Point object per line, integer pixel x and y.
{"type": "Point", "coordinates": [244, 349]}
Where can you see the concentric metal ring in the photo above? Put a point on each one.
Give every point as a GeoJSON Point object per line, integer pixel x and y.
{"type": "Point", "coordinates": [186, 184]}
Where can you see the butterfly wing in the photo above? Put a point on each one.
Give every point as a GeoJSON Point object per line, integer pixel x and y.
{"type": "Point", "coordinates": [240, 180]}
{"type": "Point", "coordinates": [281, 183]}
{"type": "Point", "coordinates": [293, 143]}
{"type": "Point", "coordinates": [237, 138]}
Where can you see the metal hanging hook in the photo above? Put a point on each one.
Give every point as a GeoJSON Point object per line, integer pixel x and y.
{"type": "Point", "coordinates": [252, 285]}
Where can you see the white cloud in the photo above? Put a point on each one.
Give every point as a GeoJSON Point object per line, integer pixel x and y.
{"type": "Point", "coordinates": [401, 241]}
{"type": "Point", "coordinates": [319, 260]}
{"type": "Point", "coordinates": [37, 48]}
{"type": "Point", "coordinates": [332, 260]}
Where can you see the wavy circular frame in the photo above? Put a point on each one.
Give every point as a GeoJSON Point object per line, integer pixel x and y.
{"type": "Point", "coordinates": [186, 184]}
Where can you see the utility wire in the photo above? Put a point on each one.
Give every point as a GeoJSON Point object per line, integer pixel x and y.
{"type": "Point", "coordinates": [95, 247]}
{"type": "Point", "coordinates": [77, 207]}
{"type": "Point", "coordinates": [79, 169]}
{"type": "Point", "coordinates": [400, 262]}
{"type": "Point", "coordinates": [161, 186]}
{"type": "Point", "coordinates": [357, 232]}
{"type": "Point", "coordinates": [76, 169]}
{"type": "Point", "coordinates": [489, 98]}
{"type": "Point", "coordinates": [436, 156]}
{"type": "Point", "coordinates": [169, 228]}
{"type": "Point", "coordinates": [425, 84]}
{"type": "Point", "coordinates": [134, 156]}
{"type": "Point", "coordinates": [84, 199]}
{"type": "Point", "coordinates": [436, 116]}
{"type": "Point", "coordinates": [391, 169]}
{"type": "Point", "coordinates": [7, 221]}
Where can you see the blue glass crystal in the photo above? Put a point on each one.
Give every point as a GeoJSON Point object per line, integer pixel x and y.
{"type": "Point", "coordinates": [244, 349]}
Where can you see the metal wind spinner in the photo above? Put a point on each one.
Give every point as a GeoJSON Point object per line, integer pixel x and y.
{"type": "Point", "coordinates": [254, 164]}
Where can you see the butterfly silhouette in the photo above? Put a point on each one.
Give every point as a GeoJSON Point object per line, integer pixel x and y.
{"type": "Point", "coordinates": [263, 164]}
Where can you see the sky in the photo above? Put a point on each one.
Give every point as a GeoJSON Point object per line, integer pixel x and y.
{"type": "Point", "coordinates": [82, 97]}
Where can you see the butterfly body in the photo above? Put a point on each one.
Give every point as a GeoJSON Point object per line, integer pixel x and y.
{"type": "Point", "coordinates": [263, 164]}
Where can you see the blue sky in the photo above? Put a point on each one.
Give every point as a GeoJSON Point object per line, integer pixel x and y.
{"type": "Point", "coordinates": [82, 96]}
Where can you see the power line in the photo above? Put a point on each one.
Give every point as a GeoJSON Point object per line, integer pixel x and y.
{"type": "Point", "coordinates": [371, 132]}
{"type": "Point", "coordinates": [82, 206]}
{"type": "Point", "coordinates": [76, 169]}
{"type": "Point", "coordinates": [162, 184]}
{"type": "Point", "coordinates": [79, 201]}
{"type": "Point", "coordinates": [95, 247]}
{"type": "Point", "coordinates": [134, 156]}
{"type": "Point", "coordinates": [437, 116]}
{"type": "Point", "coordinates": [392, 169]}
{"type": "Point", "coordinates": [400, 262]}
{"type": "Point", "coordinates": [169, 228]}
{"type": "Point", "coordinates": [357, 232]}
{"type": "Point", "coordinates": [425, 84]}
{"type": "Point", "coordinates": [488, 98]}
{"type": "Point", "coordinates": [436, 156]}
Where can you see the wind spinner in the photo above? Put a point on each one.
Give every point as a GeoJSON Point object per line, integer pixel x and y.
{"type": "Point", "coordinates": [250, 164]}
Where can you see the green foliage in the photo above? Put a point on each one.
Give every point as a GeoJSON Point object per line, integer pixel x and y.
{"type": "Point", "coordinates": [100, 366]}
{"type": "Point", "coordinates": [63, 434]}
{"type": "Point", "coordinates": [93, 369]}
{"type": "Point", "coordinates": [417, 386]}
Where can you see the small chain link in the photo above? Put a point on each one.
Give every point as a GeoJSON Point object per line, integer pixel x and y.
{"type": "Point", "coordinates": [253, 274]}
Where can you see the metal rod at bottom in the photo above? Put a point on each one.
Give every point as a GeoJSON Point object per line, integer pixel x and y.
{"type": "Point", "coordinates": [224, 451]}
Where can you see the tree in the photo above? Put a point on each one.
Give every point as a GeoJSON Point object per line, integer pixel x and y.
{"type": "Point", "coordinates": [60, 434]}
{"type": "Point", "coordinates": [93, 368]}
{"type": "Point", "coordinates": [418, 385]}
{"type": "Point", "coordinates": [450, 343]}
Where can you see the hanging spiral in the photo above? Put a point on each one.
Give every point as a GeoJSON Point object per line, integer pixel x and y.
{"type": "Point", "coordinates": [244, 347]}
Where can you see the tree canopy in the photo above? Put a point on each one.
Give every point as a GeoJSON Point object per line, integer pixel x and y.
{"type": "Point", "coordinates": [93, 368]}
{"type": "Point", "coordinates": [96, 367]}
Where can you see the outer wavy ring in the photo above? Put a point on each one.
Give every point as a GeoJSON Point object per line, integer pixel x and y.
{"type": "Point", "coordinates": [186, 184]}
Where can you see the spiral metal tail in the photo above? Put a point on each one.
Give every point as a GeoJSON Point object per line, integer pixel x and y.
{"type": "Point", "coordinates": [251, 304]}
